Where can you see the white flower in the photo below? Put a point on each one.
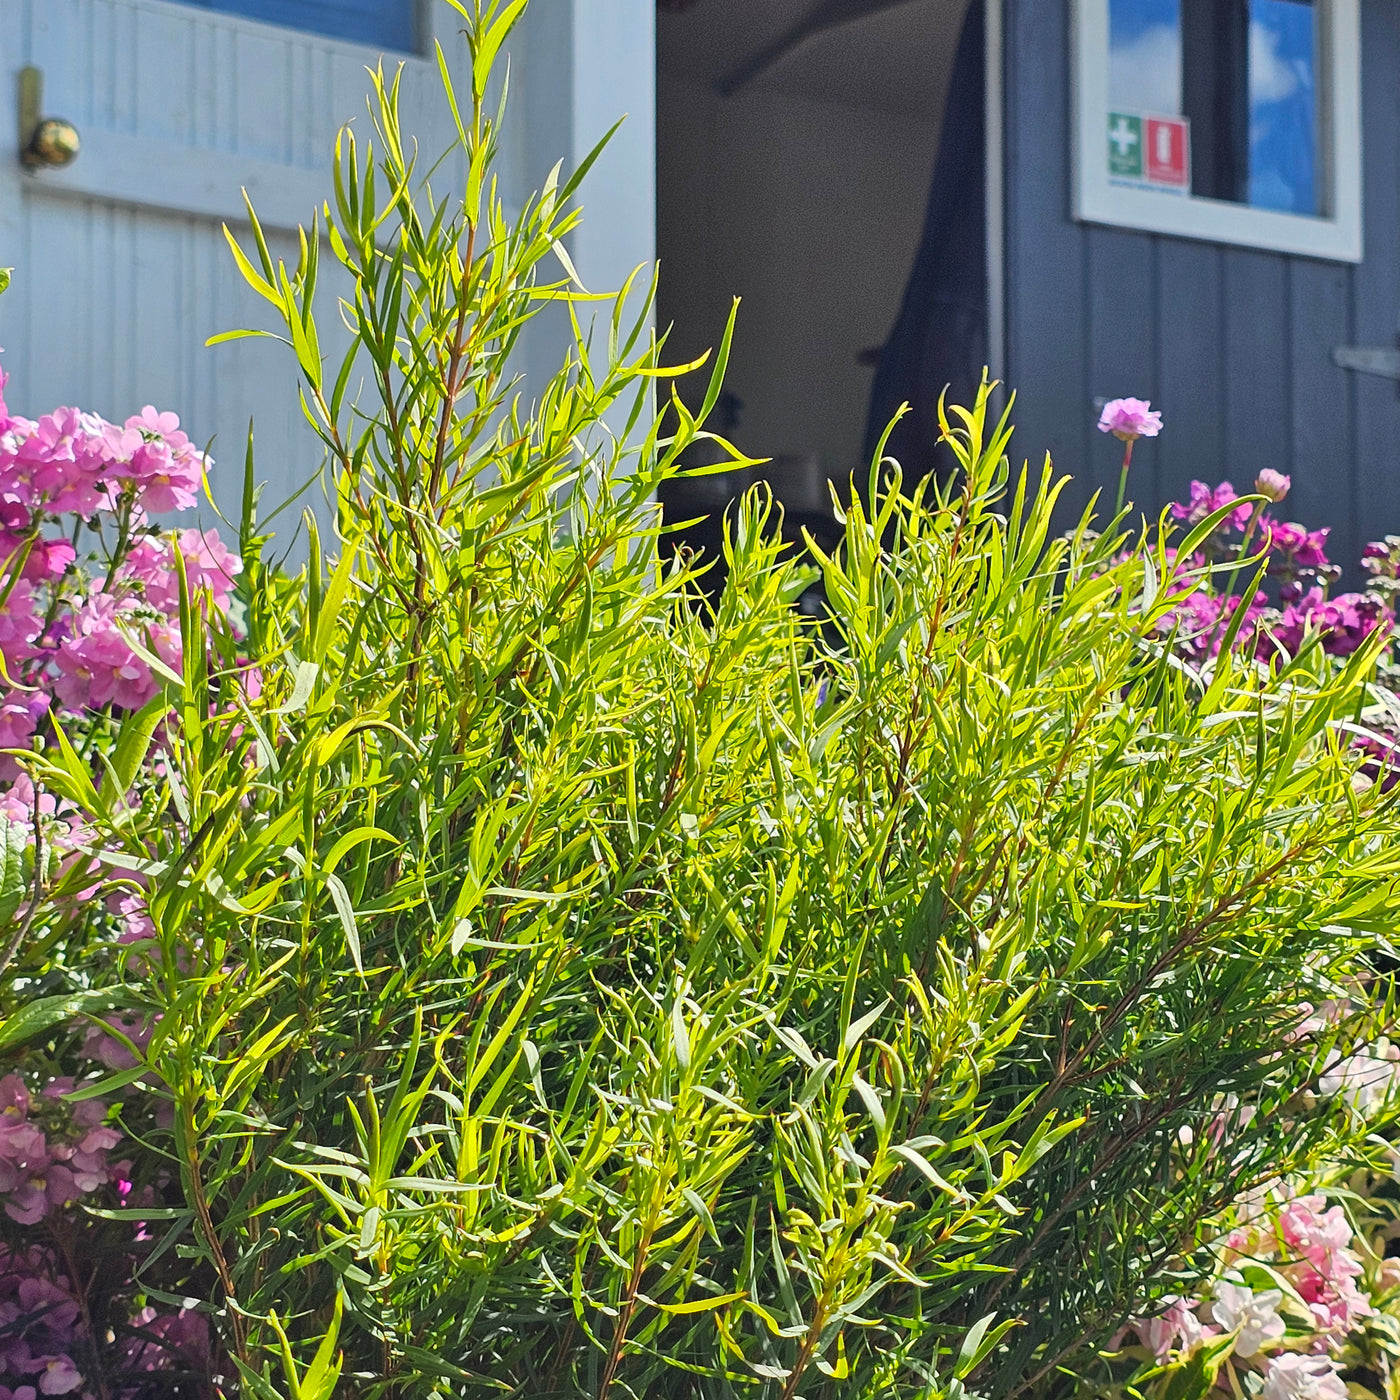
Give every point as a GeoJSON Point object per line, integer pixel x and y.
{"type": "Point", "coordinates": [1253, 1315]}
{"type": "Point", "coordinates": [1296, 1377]}
{"type": "Point", "coordinates": [1366, 1079]}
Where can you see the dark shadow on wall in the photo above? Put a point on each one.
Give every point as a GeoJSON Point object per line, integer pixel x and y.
{"type": "Point", "coordinates": [940, 337]}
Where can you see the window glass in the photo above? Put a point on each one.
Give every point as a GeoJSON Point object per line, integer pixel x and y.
{"type": "Point", "coordinates": [1216, 98]}
{"type": "Point", "coordinates": [1144, 56]}
{"type": "Point", "coordinates": [383, 23]}
{"type": "Point", "coordinates": [1283, 105]}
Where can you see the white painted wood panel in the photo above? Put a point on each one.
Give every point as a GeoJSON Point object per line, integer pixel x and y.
{"type": "Point", "coordinates": [121, 271]}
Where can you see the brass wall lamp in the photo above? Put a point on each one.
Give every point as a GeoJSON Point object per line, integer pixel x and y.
{"type": "Point", "coordinates": [43, 141]}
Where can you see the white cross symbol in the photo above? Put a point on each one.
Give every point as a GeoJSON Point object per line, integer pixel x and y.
{"type": "Point", "coordinates": [1123, 136]}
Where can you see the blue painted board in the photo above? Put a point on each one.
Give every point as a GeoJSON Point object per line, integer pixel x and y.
{"type": "Point", "coordinates": [1234, 345]}
{"type": "Point", "coordinates": [384, 23]}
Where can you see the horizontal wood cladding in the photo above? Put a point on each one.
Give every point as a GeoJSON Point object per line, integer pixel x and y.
{"type": "Point", "coordinates": [1233, 345]}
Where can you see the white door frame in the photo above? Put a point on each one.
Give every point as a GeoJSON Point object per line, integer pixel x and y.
{"type": "Point", "coordinates": [996, 192]}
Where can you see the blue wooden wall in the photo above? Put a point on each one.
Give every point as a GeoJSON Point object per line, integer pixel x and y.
{"type": "Point", "coordinates": [387, 24]}
{"type": "Point", "coordinates": [1235, 346]}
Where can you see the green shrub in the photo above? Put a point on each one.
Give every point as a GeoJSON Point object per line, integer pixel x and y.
{"type": "Point", "coordinates": [558, 989]}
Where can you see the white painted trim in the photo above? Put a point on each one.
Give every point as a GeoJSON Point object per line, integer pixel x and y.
{"type": "Point", "coordinates": [118, 167]}
{"type": "Point", "coordinates": [996, 193]}
{"type": "Point", "coordinates": [11, 60]}
{"type": "Point", "coordinates": [1337, 237]}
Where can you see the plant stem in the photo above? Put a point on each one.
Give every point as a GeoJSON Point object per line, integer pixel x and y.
{"type": "Point", "coordinates": [624, 1316]}
{"type": "Point", "coordinates": [1235, 572]}
{"type": "Point", "coordinates": [1123, 476]}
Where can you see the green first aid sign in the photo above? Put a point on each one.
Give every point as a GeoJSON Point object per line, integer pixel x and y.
{"type": "Point", "coordinates": [1125, 145]}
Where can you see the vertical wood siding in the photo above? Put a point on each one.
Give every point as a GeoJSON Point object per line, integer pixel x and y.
{"type": "Point", "coordinates": [118, 283]}
{"type": "Point", "coordinates": [113, 299]}
{"type": "Point", "coordinates": [1235, 346]}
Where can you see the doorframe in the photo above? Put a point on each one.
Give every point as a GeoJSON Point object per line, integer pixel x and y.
{"type": "Point", "coordinates": [11, 60]}
{"type": "Point", "coordinates": [995, 136]}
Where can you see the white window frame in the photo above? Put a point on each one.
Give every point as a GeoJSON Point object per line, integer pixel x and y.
{"type": "Point", "coordinates": [1336, 235]}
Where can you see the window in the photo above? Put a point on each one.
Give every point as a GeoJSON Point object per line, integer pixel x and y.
{"type": "Point", "coordinates": [1232, 120]}
{"type": "Point", "coordinates": [387, 24]}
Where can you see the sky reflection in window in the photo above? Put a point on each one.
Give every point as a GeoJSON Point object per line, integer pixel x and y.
{"type": "Point", "coordinates": [1144, 56]}
{"type": "Point", "coordinates": [1145, 75]}
{"type": "Point", "coordinates": [1283, 105]}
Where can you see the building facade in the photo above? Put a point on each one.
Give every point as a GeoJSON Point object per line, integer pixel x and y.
{"type": "Point", "coordinates": [1193, 201]}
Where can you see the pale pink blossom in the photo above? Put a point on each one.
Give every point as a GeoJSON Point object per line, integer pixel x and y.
{"type": "Point", "coordinates": [1292, 1376]}
{"type": "Point", "coordinates": [1129, 419]}
{"type": "Point", "coordinates": [159, 459]}
{"type": "Point", "coordinates": [1274, 485]}
{"type": "Point", "coordinates": [1366, 1079]}
{"type": "Point", "coordinates": [1175, 1328]}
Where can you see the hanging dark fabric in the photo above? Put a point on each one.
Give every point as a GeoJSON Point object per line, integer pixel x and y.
{"type": "Point", "coordinates": [940, 336]}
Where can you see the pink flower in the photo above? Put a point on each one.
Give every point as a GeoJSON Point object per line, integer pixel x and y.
{"type": "Point", "coordinates": [1177, 1326]}
{"type": "Point", "coordinates": [20, 625]}
{"type": "Point", "coordinates": [28, 1202]}
{"type": "Point", "coordinates": [1306, 549]}
{"type": "Point", "coordinates": [159, 459]}
{"type": "Point", "coordinates": [18, 802]}
{"type": "Point", "coordinates": [66, 461]}
{"type": "Point", "coordinates": [1316, 1232]}
{"type": "Point", "coordinates": [1292, 1376]}
{"type": "Point", "coordinates": [14, 1099]}
{"type": "Point", "coordinates": [1343, 623]}
{"type": "Point", "coordinates": [1129, 419]}
{"type": "Point", "coordinates": [137, 925]}
{"type": "Point", "coordinates": [96, 664]}
{"type": "Point", "coordinates": [20, 714]}
{"type": "Point", "coordinates": [100, 1045]}
{"type": "Point", "coordinates": [1274, 485]}
{"type": "Point", "coordinates": [1204, 501]}
{"type": "Point", "coordinates": [60, 1376]}
{"type": "Point", "coordinates": [209, 565]}
{"type": "Point", "coordinates": [183, 1335]}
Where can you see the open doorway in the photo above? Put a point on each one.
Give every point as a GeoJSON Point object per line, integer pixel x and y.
{"type": "Point", "coordinates": [796, 143]}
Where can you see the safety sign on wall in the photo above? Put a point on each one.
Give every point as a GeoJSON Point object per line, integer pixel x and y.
{"type": "Point", "coordinates": [1150, 150]}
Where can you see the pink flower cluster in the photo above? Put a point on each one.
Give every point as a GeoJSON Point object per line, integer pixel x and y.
{"type": "Point", "coordinates": [43, 1338]}
{"type": "Point", "coordinates": [54, 1153]}
{"type": "Point", "coordinates": [39, 1317]}
{"type": "Point", "coordinates": [1324, 1268]}
{"type": "Point", "coordinates": [89, 586]}
{"type": "Point", "coordinates": [43, 1167]}
{"type": "Point", "coordinates": [1305, 1245]}
{"type": "Point", "coordinates": [73, 463]}
{"type": "Point", "coordinates": [89, 613]}
{"type": "Point", "coordinates": [1297, 567]}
